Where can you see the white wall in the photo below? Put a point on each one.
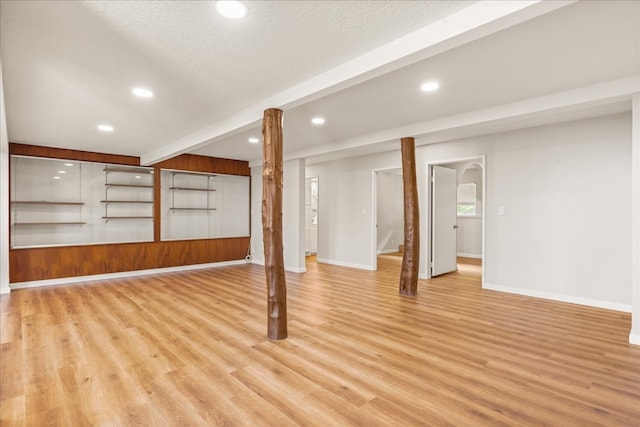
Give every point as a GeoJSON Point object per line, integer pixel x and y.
{"type": "Point", "coordinates": [565, 189]}
{"type": "Point", "coordinates": [469, 237]}
{"type": "Point", "coordinates": [292, 215]}
{"type": "Point", "coordinates": [634, 335]}
{"type": "Point", "coordinates": [345, 217]}
{"type": "Point", "coordinates": [4, 194]}
{"type": "Point", "coordinates": [390, 212]}
{"type": "Point", "coordinates": [567, 212]}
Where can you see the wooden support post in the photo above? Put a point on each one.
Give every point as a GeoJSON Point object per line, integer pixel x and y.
{"type": "Point", "coordinates": [411, 255]}
{"type": "Point", "coordinates": [272, 224]}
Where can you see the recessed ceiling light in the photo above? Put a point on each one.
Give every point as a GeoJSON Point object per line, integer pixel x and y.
{"type": "Point", "coordinates": [231, 9]}
{"type": "Point", "coordinates": [142, 92]}
{"type": "Point", "coordinates": [56, 177]}
{"type": "Point", "coordinates": [138, 177]}
{"type": "Point", "coordinates": [430, 86]}
{"type": "Point", "coordinates": [254, 140]}
{"type": "Point", "coordinates": [68, 164]}
{"type": "Point", "coordinates": [105, 128]}
{"type": "Point", "coordinates": [62, 172]}
{"type": "Point", "coordinates": [317, 121]}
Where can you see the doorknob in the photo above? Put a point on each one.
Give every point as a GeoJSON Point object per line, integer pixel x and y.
{"type": "Point", "coordinates": [455, 227]}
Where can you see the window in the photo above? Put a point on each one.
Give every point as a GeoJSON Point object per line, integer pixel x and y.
{"type": "Point", "coordinates": [467, 199]}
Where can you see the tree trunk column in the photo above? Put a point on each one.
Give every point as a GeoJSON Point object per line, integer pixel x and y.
{"type": "Point", "coordinates": [411, 255]}
{"type": "Point", "coordinates": [272, 224]}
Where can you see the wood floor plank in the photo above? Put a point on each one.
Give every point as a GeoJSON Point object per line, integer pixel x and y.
{"type": "Point", "coordinates": [190, 348]}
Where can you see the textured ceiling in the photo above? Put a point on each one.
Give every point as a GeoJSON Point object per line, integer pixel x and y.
{"type": "Point", "coordinates": [68, 66]}
{"type": "Point", "coordinates": [576, 46]}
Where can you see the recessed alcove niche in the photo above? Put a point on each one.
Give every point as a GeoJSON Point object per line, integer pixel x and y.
{"type": "Point", "coordinates": [66, 202]}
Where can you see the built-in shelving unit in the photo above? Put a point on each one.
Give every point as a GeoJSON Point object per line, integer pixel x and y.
{"type": "Point", "coordinates": [45, 203]}
{"type": "Point", "coordinates": [126, 217]}
{"type": "Point", "coordinates": [80, 214]}
{"type": "Point", "coordinates": [198, 205]}
{"type": "Point", "coordinates": [47, 206]}
{"type": "Point", "coordinates": [42, 202]}
{"type": "Point", "coordinates": [194, 184]}
{"type": "Point", "coordinates": [122, 178]}
{"type": "Point", "coordinates": [50, 223]}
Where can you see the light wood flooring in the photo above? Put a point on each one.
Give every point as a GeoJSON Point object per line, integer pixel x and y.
{"type": "Point", "coordinates": [189, 349]}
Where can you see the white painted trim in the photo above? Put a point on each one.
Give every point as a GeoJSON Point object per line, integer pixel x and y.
{"type": "Point", "coordinates": [4, 194]}
{"type": "Point", "coordinates": [345, 264]}
{"type": "Point", "coordinates": [387, 251]}
{"type": "Point", "coordinates": [374, 220]}
{"type": "Point", "coordinates": [476, 256]}
{"type": "Point", "coordinates": [559, 297]}
{"type": "Point", "coordinates": [478, 20]}
{"type": "Point", "coordinates": [289, 269]}
{"type": "Point", "coordinates": [634, 335]}
{"type": "Point", "coordinates": [120, 275]}
{"type": "Point", "coordinates": [484, 217]}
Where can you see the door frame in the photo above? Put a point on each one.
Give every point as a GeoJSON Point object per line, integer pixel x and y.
{"type": "Point", "coordinates": [374, 212]}
{"type": "Point", "coordinates": [317, 213]}
{"type": "Point", "coordinates": [427, 215]}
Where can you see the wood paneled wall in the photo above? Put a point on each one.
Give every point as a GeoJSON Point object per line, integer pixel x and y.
{"type": "Point", "coordinates": [194, 163]}
{"type": "Point", "coordinates": [29, 264]}
{"type": "Point", "coordinates": [71, 261]}
{"type": "Point", "coordinates": [61, 153]}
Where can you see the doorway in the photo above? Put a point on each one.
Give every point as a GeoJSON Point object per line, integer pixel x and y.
{"type": "Point", "coordinates": [456, 197]}
{"type": "Point", "coordinates": [311, 216]}
{"type": "Point", "coordinates": [388, 213]}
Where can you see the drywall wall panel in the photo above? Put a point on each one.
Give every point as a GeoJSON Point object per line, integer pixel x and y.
{"type": "Point", "coordinates": [565, 193]}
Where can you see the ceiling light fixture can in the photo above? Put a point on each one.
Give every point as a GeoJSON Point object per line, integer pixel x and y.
{"type": "Point", "coordinates": [430, 86]}
{"type": "Point", "coordinates": [253, 140]}
{"type": "Point", "coordinates": [105, 128]}
{"type": "Point", "coordinates": [317, 121]}
{"type": "Point", "coordinates": [142, 92]}
{"type": "Point", "coordinates": [231, 9]}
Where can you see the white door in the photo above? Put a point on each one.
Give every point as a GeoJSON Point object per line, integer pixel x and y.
{"type": "Point", "coordinates": [443, 221]}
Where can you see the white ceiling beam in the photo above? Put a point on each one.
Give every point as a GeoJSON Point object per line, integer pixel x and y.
{"type": "Point", "coordinates": [474, 22]}
{"type": "Point", "coordinates": [433, 131]}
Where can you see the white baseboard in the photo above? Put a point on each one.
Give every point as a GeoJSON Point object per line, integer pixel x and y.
{"type": "Point", "coordinates": [4, 290]}
{"type": "Point", "coordinates": [634, 338]}
{"type": "Point", "coordinates": [82, 279]}
{"type": "Point", "coordinates": [387, 251]}
{"type": "Point", "coordinates": [470, 255]}
{"type": "Point", "coordinates": [562, 298]}
{"type": "Point", "coordinates": [345, 264]}
{"type": "Point", "coordinates": [290, 269]}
